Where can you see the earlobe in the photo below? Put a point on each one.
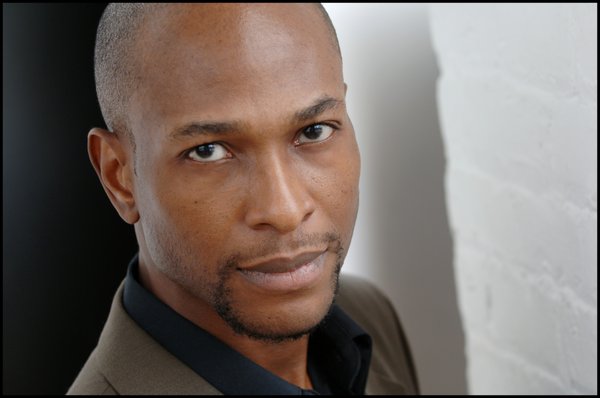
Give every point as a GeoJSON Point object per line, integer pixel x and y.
{"type": "Point", "coordinates": [113, 164]}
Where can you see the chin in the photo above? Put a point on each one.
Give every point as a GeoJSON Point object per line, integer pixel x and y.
{"type": "Point", "coordinates": [279, 319]}
{"type": "Point", "coordinates": [279, 327]}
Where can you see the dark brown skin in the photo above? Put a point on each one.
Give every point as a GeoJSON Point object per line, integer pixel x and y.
{"type": "Point", "coordinates": [270, 192]}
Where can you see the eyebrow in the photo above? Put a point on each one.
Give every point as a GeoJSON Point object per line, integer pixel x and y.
{"type": "Point", "coordinates": [192, 129]}
{"type": "Point", "coordinates": [321, 105]}
{"type": "Point", "coordinates": [204, 128]}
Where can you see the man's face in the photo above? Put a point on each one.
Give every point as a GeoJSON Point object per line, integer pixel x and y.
{"type": "Point", "coordinates": [247, 166]}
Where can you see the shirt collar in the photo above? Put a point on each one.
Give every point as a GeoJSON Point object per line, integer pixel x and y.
{"type": "Point", "coordinates": [339, 350]}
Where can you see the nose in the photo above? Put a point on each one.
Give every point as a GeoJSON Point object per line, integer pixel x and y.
{"type": "Point", "coordinates": [279, 198]}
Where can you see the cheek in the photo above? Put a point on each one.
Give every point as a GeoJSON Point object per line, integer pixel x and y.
{"type": "Point", "coordinates": [188, 217]}
{"type": "Point", "coordinates": [336, 186]}
{"type": "Point", "coordinates": [346, 199]}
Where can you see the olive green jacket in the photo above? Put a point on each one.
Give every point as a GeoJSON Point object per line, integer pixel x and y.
{"type": "Point", "coordinates": [129, 361]}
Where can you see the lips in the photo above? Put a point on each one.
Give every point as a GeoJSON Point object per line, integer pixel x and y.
{"type": "Point", "coordinates": [284, 273]}
{"type": "Point", "coordinates": [283, 263]}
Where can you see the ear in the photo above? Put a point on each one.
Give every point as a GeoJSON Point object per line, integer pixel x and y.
{"type": "Point", "coordinates": [113, 163]}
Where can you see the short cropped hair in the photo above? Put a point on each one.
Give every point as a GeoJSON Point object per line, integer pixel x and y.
{"type": "Point", "coordinates": [115, 65]}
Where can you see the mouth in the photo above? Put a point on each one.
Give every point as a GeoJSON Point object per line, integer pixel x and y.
{"type": "Point", "coordinates": [286, 273]}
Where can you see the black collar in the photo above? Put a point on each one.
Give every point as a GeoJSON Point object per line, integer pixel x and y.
{"type": "Point", "coordinates": [339, 350]}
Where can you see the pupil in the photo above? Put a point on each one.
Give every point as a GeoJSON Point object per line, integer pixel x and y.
{"type": "Point", "coordinates": [205, 151]}
{"type": "Point", "coordinates": [313, 132]}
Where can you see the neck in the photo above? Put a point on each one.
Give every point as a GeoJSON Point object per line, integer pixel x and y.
{"type": "Point", "coordinates": [287, 360]}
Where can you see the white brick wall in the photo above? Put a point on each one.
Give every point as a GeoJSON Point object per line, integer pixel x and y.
{"type": "Point", "coordinates": [517, 99]}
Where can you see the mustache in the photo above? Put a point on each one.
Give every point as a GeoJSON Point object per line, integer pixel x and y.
{"type": "Point", "coordinates": [273, 247]}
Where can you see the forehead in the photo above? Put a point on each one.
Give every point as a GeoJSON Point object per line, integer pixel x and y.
{"type": "Point", "coordinates": [220, 59]}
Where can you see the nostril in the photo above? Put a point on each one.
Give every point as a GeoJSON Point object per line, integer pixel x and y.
{"type": "Point", "coordinates": [278, 213]}
{"type": "Point", "coordinates": [308, 214]}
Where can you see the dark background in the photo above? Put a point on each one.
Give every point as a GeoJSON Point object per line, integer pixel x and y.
{"type": "Point", "coordinates": [65, 249]}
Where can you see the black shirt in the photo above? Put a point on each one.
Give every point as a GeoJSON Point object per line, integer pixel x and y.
{"type": "Point", "coordinates": [339, 351]}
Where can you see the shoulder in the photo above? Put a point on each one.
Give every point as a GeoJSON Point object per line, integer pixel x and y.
{"type": "Point", "coordinates": [91, 381]}
{"type": "Point", "coordinates": [356, 291]}
{"type": "Point", "coordinates": [367, 305]}
{"type": "Point", "coordinates": [128, 361]}
{"type": "Point", "coordinates": [392, 366]}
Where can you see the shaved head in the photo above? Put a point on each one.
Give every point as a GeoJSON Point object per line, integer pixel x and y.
{"type": "Point", "coordinates": [116, 59]}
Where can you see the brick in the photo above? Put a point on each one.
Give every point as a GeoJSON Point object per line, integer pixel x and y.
{"type": "Point", "coordinates": [524, 318]}
{"type": "Point", "coordinates": [494, 371]}
{"type": "Point", "coordinates": [536, 43]}
{"type": "Point", "coordinates": [508, 309]}
{"type": "Point", "coordinates": [544, 144]}
{"type": "Point", "coordinates": [527, 230]}
{"type": "Point", "coordinates": [579, 346]}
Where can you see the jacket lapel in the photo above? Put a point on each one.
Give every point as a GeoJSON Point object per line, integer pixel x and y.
{"type": "Point", "coordinates": [134, 363]}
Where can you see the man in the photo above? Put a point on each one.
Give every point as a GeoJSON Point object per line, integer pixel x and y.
{"type": "Point", "coordinates": [230, 151]}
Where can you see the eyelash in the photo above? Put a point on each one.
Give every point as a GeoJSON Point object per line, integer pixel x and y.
{"type": "Point", "coordinates": [331, 125]}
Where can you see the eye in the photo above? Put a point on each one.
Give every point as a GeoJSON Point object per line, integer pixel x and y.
{"type": "Point", "coordinates": [209, 153]}
{"type": "Point", "coordinates": [315, 133]}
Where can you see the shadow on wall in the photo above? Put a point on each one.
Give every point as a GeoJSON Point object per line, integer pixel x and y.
{"type": "Point", "coordinates": [391, 71]}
